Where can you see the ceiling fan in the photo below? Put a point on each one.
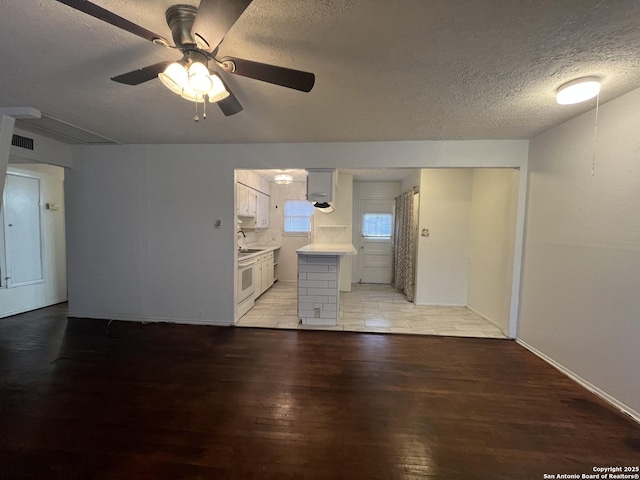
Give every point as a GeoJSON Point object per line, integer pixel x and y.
{"type": "Point", "coordinates": [197, 33]}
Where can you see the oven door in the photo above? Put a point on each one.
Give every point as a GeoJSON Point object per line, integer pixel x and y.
{"type": "Point", "coordinates": [246, 279]}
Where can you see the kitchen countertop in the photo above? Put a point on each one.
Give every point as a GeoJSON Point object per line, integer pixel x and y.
{"type": "Point", "coordinates": [327, 249]}
{"type": "Point", "coordinates": [263, 249]}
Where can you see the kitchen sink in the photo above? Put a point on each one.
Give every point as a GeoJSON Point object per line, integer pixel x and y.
{"type": "Point", "coordinates": [252, 250]}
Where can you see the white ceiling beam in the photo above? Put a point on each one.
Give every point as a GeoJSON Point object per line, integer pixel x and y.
{"type": "Point", "coordinates": [21, 112]}
{"type": "Point", "coordinates": [6, 134]}
{"type": "Point", "coordinates": [9, 116]}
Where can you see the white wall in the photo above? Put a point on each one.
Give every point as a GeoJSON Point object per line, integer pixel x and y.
{"type": "Point", "coordinates": [336, 227]}
{"type": "Point", "coordinates": [581, 274]}
{"type": "Point", "coordinates": [411, 180]}
{"type": "Point", "coordinates": [287, 268]}
{"type": "Point", "coordinates": [443, 256]}
{"type": "Point", "coordinates": [141, 235]}
{"type": "Point", "coordinates": [140, 218]}
{"type": "Point", "coordinates": [54, 288]}
{"type": "Point", "coordinates": [491, 243]}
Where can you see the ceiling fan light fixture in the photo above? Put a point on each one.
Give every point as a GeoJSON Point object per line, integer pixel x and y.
{"type": "Point", "coordinates": [578, 90]}
{"type": "Point", "coordinates": [189, 94]}
{"type": "Point", "coordinates": [199, 78]}
{"type": "Point", "coordinates": [283, 178]}
{"type": "Point", "coordinates": [174, 77]}
{"type": "Point", "coordinates": [218, 91]}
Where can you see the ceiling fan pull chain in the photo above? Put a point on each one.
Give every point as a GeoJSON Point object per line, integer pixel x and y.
{"type": "Point", "coordinates": [196, 117]}
{"type": "Point", "coordinates": [595, 137]}
{"type": "Point", "coordinates": [204, 108]}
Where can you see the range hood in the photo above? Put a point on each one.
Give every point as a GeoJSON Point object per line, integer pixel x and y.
{"type": "Point", "coordinates": [321, 186]}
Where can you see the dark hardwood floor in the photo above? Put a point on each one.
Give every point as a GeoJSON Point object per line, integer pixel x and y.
{"type": "Point", "coordinates": [162, 401]}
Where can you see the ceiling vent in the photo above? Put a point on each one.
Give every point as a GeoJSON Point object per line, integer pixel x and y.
{"type": "Point", "coordinates": [22, 142]}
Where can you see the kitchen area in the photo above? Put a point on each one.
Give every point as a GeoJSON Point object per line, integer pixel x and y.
{"type": "Point", "coordinates": [298, 267]}
{"type": "Point", "coordinates": [257, 261]}
{"type": "Point", "coordinates": [278, 229]}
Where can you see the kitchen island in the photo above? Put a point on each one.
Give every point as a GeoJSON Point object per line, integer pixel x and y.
{"type": "Point", "coordinates": [318, 282]}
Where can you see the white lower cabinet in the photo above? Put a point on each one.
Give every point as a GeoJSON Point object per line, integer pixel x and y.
{"type": "Point", "coordinates": [264, 273]}
{"type": "Point", "coordinates": [258, 280]}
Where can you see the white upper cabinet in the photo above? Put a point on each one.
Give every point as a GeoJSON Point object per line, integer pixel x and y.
{"type": "Point", "coordinates": [252, 206]}
{"type": "Point", "coordinates": [242, 199]}
{"type": "Point", "coordinates": [262, 212]}
{"type": "Point", "coordinates": [253, 198]}
{"type": "Point", "coordinates": [321, 185]}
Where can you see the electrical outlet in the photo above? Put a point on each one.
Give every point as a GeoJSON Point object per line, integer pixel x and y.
{"type": "Point", "coordinates": [316, 312]}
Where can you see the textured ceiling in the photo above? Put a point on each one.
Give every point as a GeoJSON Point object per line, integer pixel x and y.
{"type": "Point", "coordinates": [385, 70]}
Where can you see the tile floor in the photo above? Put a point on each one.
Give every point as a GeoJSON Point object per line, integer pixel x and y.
{"type": "Point", "coordinates": [370, 308]}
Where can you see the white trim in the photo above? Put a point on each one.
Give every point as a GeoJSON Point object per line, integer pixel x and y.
{"type": "Point", "coordinates": [518, 257]}
{"type": "Point", "coordinates": [7, 124]}
{"type": "Point", "coordinates": [461, 305]}
{"type": "Point", "coordinates": [133, 318]}
{"type": "Point", "coordinates": [585, 383]}
{"type": "Point", "coordinates": [32, 308]}
{"type": "Point", "coordinates": [506, 334]}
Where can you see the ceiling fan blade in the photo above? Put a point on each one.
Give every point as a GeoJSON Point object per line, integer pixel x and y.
{"type": "Point", "coordinates": [285, 77]}
{"type": "Point", "coordinates": [115, 20]}
{"type": "Point", "coordinates": [230, 105]}
{"type": "Point", "coordinates": [136, 77]}
{"type": "Point", "coordinates": [215, 18]}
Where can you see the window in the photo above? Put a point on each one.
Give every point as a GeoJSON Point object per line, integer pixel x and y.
{"type": "Point", "coordinates": [377, 225]}
{"type": "Point", "coordinates": [297, 216]}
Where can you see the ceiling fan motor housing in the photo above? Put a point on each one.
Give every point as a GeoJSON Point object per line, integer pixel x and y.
{"type": "Point", "coordinates": [180, 19]}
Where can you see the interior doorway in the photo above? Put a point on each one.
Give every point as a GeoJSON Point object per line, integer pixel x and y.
{"type": "Point", "coordinates": [32, 239]}
{"type": "Point", "coordinates": [466, 238]}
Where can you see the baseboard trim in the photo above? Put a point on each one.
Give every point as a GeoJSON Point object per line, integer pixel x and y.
{"type": "Point", "coordinates": [32, 308]}
{"type": "Point", "coordinates": [585, 383]}
{"type": "Point", "coordinates": [131, 318]}
{"type": "Point", "coordinates": [495, 324]}
{"type": "Point", "coordinates": [440, 304]}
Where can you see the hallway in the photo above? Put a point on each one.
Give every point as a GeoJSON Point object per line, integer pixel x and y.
{"type": "Point", "coordinates": [371, 308]}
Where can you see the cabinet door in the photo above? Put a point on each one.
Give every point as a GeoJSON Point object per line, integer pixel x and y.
{"type": "Point", "coordinates": [265, 275]}
{"type": "Point", "coordinates": [252, 202]}
{"type": "Point", "coordinates": [258, 280]}
{"type": "Point", "coordinates": [320, 185]}
{"type": "Point", "coordinates": [242, 199]}
{"type": "Point", "coordinates": [270, 271]}
{"type": "Point", "coordinates": [262, 213]}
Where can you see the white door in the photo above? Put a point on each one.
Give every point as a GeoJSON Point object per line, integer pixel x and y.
{"type": "Point", "coordinates": [376, 240]}
{"type": "Point", "coordinates": [23, 235]}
